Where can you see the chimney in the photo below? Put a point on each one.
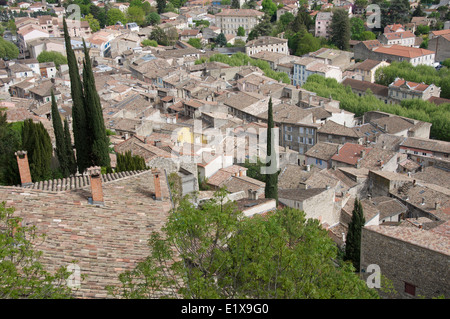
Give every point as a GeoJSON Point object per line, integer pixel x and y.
{"type": "Point", "coordinates": [437, 205]}
{"type": "Point", "coordinates": [157, 181]}
{"type": "Point", "coordinates": [24, 167]}
{"type": "Point", "coordinates": [95, 177]}
{"type": "Point", "coordinates": [363, 153]}
{"type": "Point", "coordinates": [423, 200]}
{"type": "Point", "coordinates": [308, 168]}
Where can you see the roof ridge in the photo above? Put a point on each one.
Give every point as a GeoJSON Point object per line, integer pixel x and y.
{"type": "Point", "coordinates": [77, 182]}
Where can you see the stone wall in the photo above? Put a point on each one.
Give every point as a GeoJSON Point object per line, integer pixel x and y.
{"type": "Point", "coordinates": [402, 262]}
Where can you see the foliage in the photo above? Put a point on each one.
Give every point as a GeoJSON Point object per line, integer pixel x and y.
{"type": "Point", "coordinates": [153, 18]}
{"type": "Point", "coordinates": [37, 142]}
{"type": "Point", "coordinates": [114, 15]}
{"type": "Point", "coordinates": [8, 50]}
{"type": "Point", "coordinates": [136, 14]}
{"type": "Point", "coordinates": [201, 23]}
{"type": "Point", "coordinates": [98, 140]}
{"type": "Point", "coordinates": [240, 58]}
{"type": "Point", "coordinates": [159, 36]}
{"type": "Point", "coordinates": [340, 29]}
{"type": "Point", "coordinates": [81, 139]}
{"type": "Point", "coordinates": [419, 73]}
{"type": "Point", "coordinates": [61, 152]}
{"type": "Point", "coordinates": [128, 162]}
{"type": "Point", "coordinates": [240, 32]}
{"type": "Point", "coordinates": [52, 56]}
{"type": "Point", "coordinates": [254, 169]}
{"type": "Point", "coordinates": [271, 187]}
{"type": "Point", "coordinates": [10, 140]}
{"type": "Point", "coordinates": [415, 109]}
{"type": "Point", "coordinates": [94, 24]}
{"type": "Point", "coordinates": [353, 241]}
{"type": "Point", "coordinates": [70, 155]}
{"type": "Point", "coordinates": [235, 4]}
{"type": "Point", "coordinates": [269, 8]}
{"type": "Point", "coordinates": [23, 275]}
{"type": "Point", "coordinates": [213, 251]}
{"type": "Point", "coordinates": [161, 5]}
{"type": "Point", "coordinates": [195, 42]}
{"type": "Point", "coordinates": [221, 40]}
{"type": "Point", "coordinates": [356, 28]}
{"type": "Point", "coordinates": [149, 43]}
{"type": "Point", "coordinates": [176, 187]}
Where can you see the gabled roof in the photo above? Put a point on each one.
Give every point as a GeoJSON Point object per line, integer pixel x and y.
{"type": "Point", "coordinates": [399, 50]}
{"type": "Point", "coordinates": [413, 86]}
{"type": "Point", "coordinates": [350, 153]}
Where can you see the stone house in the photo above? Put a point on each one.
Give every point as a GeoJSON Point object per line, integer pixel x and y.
{"type": "Point", "coordinates": [414, 259]}
{"type": "Point", "coordinates": [368, 68]}
{"type": "Point", "coordinates": [400, 90]}
{"type": "Point", "coordinates": [229, 20]}
{"type": "Point", "coordinates": [440, 45]}
{"type": "Point", "coordinates": [267, 43]}
{"type": "Point", "coordinates": [317, 203]}
{"type": "Point", "coordinates": [320, 154]}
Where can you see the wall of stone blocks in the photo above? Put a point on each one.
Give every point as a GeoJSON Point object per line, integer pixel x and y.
{"type": "Point", "coordinates": [402, 262]}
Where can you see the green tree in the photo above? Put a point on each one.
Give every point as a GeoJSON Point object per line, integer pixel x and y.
{"type": "Point", "coordinates": [70, 155]}
{"type": "Point", "coordinates": [61, 152]}
{"type": "Point", "coordinates": [80, 131]}
{"type": "Point", "coordinates": [235, 4]}
{"type": "Point", "coordinates": [269, 8]}
{"type": "Point", "coordinates": [136, 14]}
{"type": "Point", "coordinates": [356, 28]}
{"type": "Point", "coordinates": [271, 188]}
{"type": "Point", "coordinates": [129, 162]}
{"type": "Point", "coordinates": [160, 5]}
{"type": "Point", "coordinates": [114, 15]}
{"type": "Point", "coordinates": [195, 42]}
{"type": "Point", "coordinates": [149, 43]}
{"type": "Point", "coordinates": [240, 32]}
{"type": "Point", "coordinates": [153, 18]}
{"type": "Point", "coordinates": [221, 40]}
{"type": "Point", "coordinates": [353, 241]}
{"type": "Point", "coordinates": [99, 14]}
{"type": "Point", "coordinates": [10, 141]}
{"type": "Point", "coordinates": [52, 56]}
{"type": "Point", "coordinates": [214, 252]}
{"type": "Point", "coordinates": [340, 29]}
{"type": "Point", "coordinates": [418, 12]}
{"type": "Point", "coordinates": [37, 142]}
{"type": "Point", "coordinates": [159, 36]}
{"type": "Point", "coordinates": [8, 50]}
{"type": "Point", "coordinates": [94, 24]}
{"type": "Point", "coordinates": [99, 141]}
{"type": "Point", "coordinates": [23, 275]}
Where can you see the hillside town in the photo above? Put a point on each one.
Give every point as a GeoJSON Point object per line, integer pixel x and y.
{"type": "Point", "coordinates": [192, 88]}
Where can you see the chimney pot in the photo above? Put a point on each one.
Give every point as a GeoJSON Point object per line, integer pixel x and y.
{"type": "Point", "coordinates": [96, 184]}
{"type": "Point", "coordinates": [24, 167]}
{"type": "Point", "coordinates": [157, 182]}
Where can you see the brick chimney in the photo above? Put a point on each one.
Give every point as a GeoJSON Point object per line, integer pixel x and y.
{"type": "Point", "coordinates": [157, 181]}
{"type": "Point", "coordinates": [95, 177]}
{"type": "Point", "coordinates": [24, 167]}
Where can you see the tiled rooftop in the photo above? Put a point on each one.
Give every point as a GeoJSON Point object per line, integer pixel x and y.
{"type": "Point", "coordinates": [105, 240]}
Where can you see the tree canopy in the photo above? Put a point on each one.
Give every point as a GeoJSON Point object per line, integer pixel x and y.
{"type": "Point", "coordinates": [213, 251]}
{"type": "Point", "coordinates": [22, 274]}
{"type": "Point", "coordinates": [52, 56]}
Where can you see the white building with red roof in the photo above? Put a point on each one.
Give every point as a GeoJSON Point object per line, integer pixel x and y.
{"type": "Point", "coordinates": [401, 89]}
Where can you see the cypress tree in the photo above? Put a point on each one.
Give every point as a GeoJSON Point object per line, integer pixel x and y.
{"type": "Point", "coordinates": [271, 188]}
{"type": "Point", "coordinates": [80, 132]}
{"type": "Point", "coordinates": [353, 242]}
{"type": "Point", "coordinates": [99, 148]}
{"type": "Point", "coordinates": [37, 143]}
{"type": "Point", "coordinates": [70, 156]}
{"type": "Point", "coordinates": [61, 152]}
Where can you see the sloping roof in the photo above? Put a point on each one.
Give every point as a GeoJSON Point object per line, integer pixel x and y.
{"type": "Point", "coordinates": [377, 89]}
{"type": "Point", "coordinates": [399, 50]}
{"type": "Point", "coordinates": [323, 151]}
{"type": "Point", "coordinates": [333, 128]}
{"type": "Point", "coordinates": [367, 65]}
{"type": "Point", "coordinates": [413, 86]}
{"type": "Point", "coordinates": [105, 240]}
{"type": "Point", "coordinates": [299, 195]}
{"type": "Point", "coordinates": [351, 153]}
{"type": "Point", "coordinates": [240, 13]}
